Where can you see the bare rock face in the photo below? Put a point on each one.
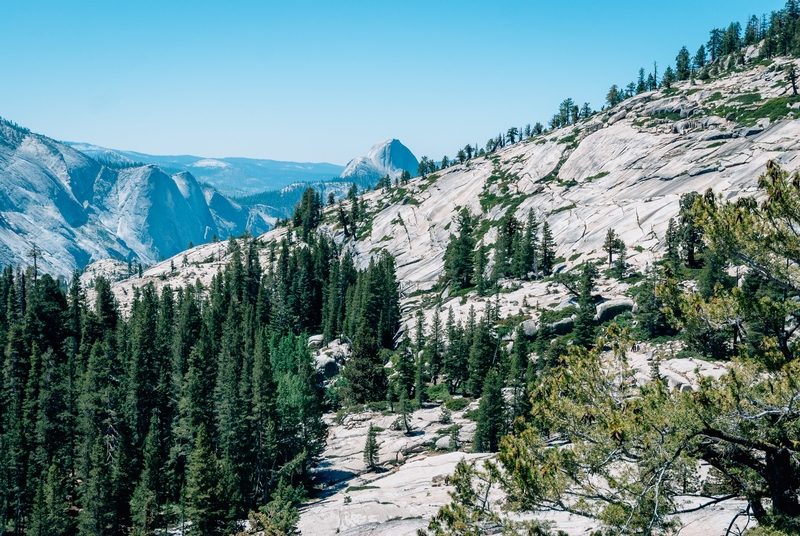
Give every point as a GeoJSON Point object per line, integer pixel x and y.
{"type": "Point", "coordinates": [388, 157]}
{"type": "Point", "coordinates": [611, 308]}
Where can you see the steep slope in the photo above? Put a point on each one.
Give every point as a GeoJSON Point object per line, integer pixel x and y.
{"type": "Point", "coordinates": [624, 168]}
{"type": "Point", "coordinates": [76, 210]}
{"type": "Point", "coordinates": [388, 157]}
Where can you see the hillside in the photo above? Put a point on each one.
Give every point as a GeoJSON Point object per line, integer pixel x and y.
{"type": "Point", "coordinates": [624, 168]}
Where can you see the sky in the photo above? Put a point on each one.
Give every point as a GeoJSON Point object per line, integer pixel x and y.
{"type": "Point", "coordinates": [322, 81]}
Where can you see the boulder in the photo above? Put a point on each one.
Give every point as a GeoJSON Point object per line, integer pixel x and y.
{"type": "Point", "coordinates": [563, 326]}
{"type": "Point", "coordinates": [326, 365]}
{"type": "Point", "coordinates": [530, 327]}
{"type": "Point", "coordinates": [443, 443]}
{"type": "Point", "coordinates": [611, 308]}
{"type": "Point", "coordinates": [315, 341]}
{"type": "Point", "coordinates": [617, 117]}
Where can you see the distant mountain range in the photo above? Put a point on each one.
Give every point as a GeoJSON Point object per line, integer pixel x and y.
{"type": "Point", "coordinates": [75, 209]}
{"type": "Point", "coordinates": [231, 176]}
{"type": "Point", "coordinates": [78, 203]}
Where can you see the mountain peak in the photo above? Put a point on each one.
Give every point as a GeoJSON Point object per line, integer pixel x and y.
{"type": "Point", "coordinates": [389, 157]}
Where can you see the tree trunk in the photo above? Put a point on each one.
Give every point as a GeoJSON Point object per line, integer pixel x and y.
{"type": "Point", "coordinates": [784, 483]}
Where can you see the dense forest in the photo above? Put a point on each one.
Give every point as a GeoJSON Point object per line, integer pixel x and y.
{"type": "Point", "coordinates": [200, 406]}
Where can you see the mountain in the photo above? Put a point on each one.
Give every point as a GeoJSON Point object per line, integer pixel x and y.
{"type": "Point", "coordinates": [624, 168]}
{"type": "Point", "coordinates": [388, 157]}
{"type": "Point", "coordinates": [77, 210]}
{"type": "Point", "coordinates": [231, 176]}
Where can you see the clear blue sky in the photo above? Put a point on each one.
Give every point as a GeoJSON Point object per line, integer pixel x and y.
{"type": "Point", "coordinates": [323, 81]}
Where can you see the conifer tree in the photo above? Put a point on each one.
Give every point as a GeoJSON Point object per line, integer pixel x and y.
{"type": "Point", "coordinates": [480, 268]}
{"type": "Point", "coordinates": [491, 424]}
{"type": "Point", "coordinates": [202, 487]}
{"type": "Point", "coordinates": [683, 64]}
{"type": "Point", "coordinates": [404, 409]}
{"type": "Point", "coordinates": [610, 244]}
{"type": "Point", "coordinates": [364, 372]}
{"type": "Point", "coordinates": [547, 249]}
{"type": "Point", "coordinates": [262, 416]}
{"type": "Point", "coordinates": [50, 516]}
{"type": "Point", "coordinates": [97, 515]}
{"type": "Point", "coordinates": [584, 323]}
{"type": "Point", "coordinates": [456, 353]}
{"type": "Point", "coordinates": [371, 449]}
{"type": "Point", "coordinates": [520, 369]}
{"type": "Point", "coordinates": [482, 355]}
{"type": "Point", "coordinates": [459, 265]}
{"type": "Point", "coordinates": [434, 347]}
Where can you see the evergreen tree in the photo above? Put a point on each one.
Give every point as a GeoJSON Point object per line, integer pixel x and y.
{"type": "Point", "coordinates": [669, 77]}
{"type": "Point", "coordinates": [699, 60]}
{"type": "Point", "coordinates": [690, 235]}
{"type": "Point", "coordinates": [371, 449]}
{"type": "Point", "coordinates": [404, 409]}
{"type": "Point", "coordinates": [202, 487]}
{"type": "Point", "coordinates": [480, 268]}
{"type": "Point", "coordinates": [672, 243]}
{"type": "Point", "coordinates": [434, 347]}
{"type": "Point", "coordinates": [584, 323]}
{"type": "Point", "coordinates": [50, 516]}
{"type": "Point", "coordinates": [518, 374]}
{"type": "Point", "coordinates": [97, 515]}
{"type": "Point", "coordinates": [364, 372]}
{"type": "Point", "coordinates": [547, 249]}
{"type": "Point", "coordinates": [683, 65]}
{"type": "Point", "coordinates": [456, 353]}
{"type": "Point", "coordinates": [491, 421]}
{"type": "Point", "coordinates": [458, 259]}
{"type": "Point", "coordinates": [482, 355]}
{"type": "Point", "coordinates": [610, 244]}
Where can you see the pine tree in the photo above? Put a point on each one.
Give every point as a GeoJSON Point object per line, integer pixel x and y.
{"type": "Point", "coordinates": [278, 517]}
{"type": "Point", "coordinates": [459, 265]}
{"type": "Point", "coordinates": [584, 323]}
{"type": "Point", "coordinates": [491, 422]}
{"type": "Point", "coordinates": [672, 240]}
{"type": "Point", "coordinates": [456, 353]}
{"type": "Point", "coordinates": [610, 244]}
{"type": "Point", "coordinates": [480, 268]}
{"type": "Point", "coordinates": [434, 347]}
{"type": "Point", "coordinates": [404, 409]}
{"type": "Point", "coordinates": [262, 416]}
{"type": "Point", "coordinates": [690, 235]}
{"type": "Point", "coordinates": [482, 355]}
{"type": "Point", "coordinates": [683, 64]}
{"type": "Point", "coordinates": [371, 449]}
{"type": "Point", "coordinates": [50, 516]}
{"type": "Point", "coordinates": [364, 372]}
{"type": "Point", "coordinates": [97, 515]}
{"type": "Point", "coordinates": [202, 487]}
{"type": "Point", "coordinates": [518, 374]}
{"type": "Point", "coordinates": [144, 502]}
{"type": "Point", "coordinates": [547, 249]}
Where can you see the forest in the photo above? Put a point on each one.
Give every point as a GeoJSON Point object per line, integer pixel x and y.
{"type": "Point", "coordinates": [200, 406]}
